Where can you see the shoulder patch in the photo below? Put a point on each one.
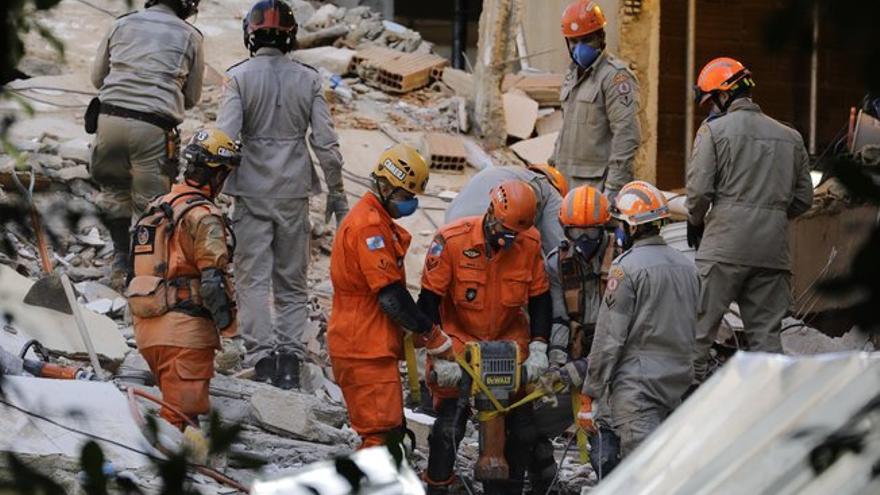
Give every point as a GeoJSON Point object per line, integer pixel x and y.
{"type": "Point", "coordinates": [375, 242]}
{"type": "Point", "coordinates": [471, 253]}
{"type": "Point", "coordinates": [437, 246]}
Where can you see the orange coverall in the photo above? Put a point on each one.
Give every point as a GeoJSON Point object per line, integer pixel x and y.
{"type": "Point", "coordinates": [179, 347]}
{"type": "Point", "coordinates": [365, 345]}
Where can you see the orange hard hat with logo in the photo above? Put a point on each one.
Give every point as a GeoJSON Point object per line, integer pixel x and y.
{"type": "Point", "coordinates": [584, 206]}
{"type": "Point", "coordinates": [514, 204]}
{"type": "Point", "coordinates": [581, 18]}
{"type": "Point", "coordinates": [721, 74]}
{"type": "Point", "coordinates": [639, 202]}
{"type": "Point", "coordinates": [557, 180]}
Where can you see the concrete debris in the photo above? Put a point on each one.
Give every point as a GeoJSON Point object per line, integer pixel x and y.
{"type": "Point", "coordinates": [334, 60]}
{"type": "Point", "coordinates": [543, 88]}
{"type": "Point", "coordinates": [520, 114]}
{"type": "Point", "coordinates": [460, 81]}
{"type": "Point", "coordinates": [57, 331]}
{"type": "Point", "coordinates": [536, 150]}
{"type": "Point", "coordinates": [549, 123]}
{"type": "Point", "coordinates": [395, 71]}
{"type": "Point", "coordinates": [272, 411]}
{"type": "Point", "coordinates": [106, 413]}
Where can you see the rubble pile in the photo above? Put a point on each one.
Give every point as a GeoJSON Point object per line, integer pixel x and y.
{"type": "Point", "coordinates": [384, 85]}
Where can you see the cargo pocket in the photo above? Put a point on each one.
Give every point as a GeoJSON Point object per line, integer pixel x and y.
{"type": "Point", "coordinates": [195, 368]}
{"type": "Point", "coordinates": [147, 296]}
{"type": "Point", "coordinates": [470, 288]}
{"type": "Point", "coordinates": [515, 289]}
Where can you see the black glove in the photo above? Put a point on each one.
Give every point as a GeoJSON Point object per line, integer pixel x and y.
{"type": "Point", "coordinates": [695, 235]}
{"type": "Point", "coordinates": [215, 298]}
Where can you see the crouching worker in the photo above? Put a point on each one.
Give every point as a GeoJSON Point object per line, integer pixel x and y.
{"type": "Point", "coordinates": [181, 296]}
{"type": "Point", "coordinates": [371, 305]}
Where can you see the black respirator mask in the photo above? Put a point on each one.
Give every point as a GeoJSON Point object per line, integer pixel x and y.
{"type": "Point", "coordinates": [587, 241]}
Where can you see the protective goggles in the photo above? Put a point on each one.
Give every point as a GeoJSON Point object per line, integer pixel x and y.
{"type": "Point", "coordinates": [591, 233]}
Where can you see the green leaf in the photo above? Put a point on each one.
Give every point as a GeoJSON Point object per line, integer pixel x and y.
{"type": "Point", "coordinates": [92, 463]}
{"type": "Point", "coordinates": [351, 472]}
{"type": "Point", "coordinates": [222, 437]}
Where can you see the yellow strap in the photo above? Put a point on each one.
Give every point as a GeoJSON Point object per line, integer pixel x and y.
{"type": "Point", "coordinates": [482, 386]}
{"type": "Point", "coordinates": [412, 368]}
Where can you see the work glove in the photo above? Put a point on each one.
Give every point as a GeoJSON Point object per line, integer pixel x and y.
{"type": "Point", "coordinates": [230, 356]}
{"type": "Point", "coordinates": [438, 344]}
{"type": "Point", "coordinates": [537, 362]}
{"type": "Point", "coordinates": [337, 204]}
{"type": "Point", "coordinates": [695, 235]}
{"type": "Point", "coordinates": [574, 373]}
{"type": "Point", "coordinates": [447, 373]}
{"type": "Point", "coordinates": [585, 414]}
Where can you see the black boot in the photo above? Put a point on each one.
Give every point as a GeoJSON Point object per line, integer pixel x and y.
{"type": "Point", "coordinates": [121, 269]}
{"type": "Point", "coordinates": [286, 370]}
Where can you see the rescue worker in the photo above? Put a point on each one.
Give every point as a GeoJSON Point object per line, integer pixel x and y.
{"type": "Point", "coordinates": [371, 305]}
{"type": "Point", "coordinates": [480, 273]}
{"type": "Point", "coordinates": [754, 173]}
{"type": "Point", "coordinates": [148, 70]}
{"type": "Point", "coordinates": [600, 105]}
{"type": "Point", "coordinates": [181, 294]}
{"type": "Point", "coordinates": [575, 269]}
{"type": "Point", "coordinates": [271, 101]}
{"type": "Point", "coordinates": [550, 187]}
{"type": "Point", "coordinates": [640, 362]}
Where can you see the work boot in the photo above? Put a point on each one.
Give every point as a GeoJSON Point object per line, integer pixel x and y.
{"type": "Point", "coordinates": [119, 234]}
{"type": "Point", "coordinates": [426, 402]}
{"type": "Point", "coordinates": [286, 370]}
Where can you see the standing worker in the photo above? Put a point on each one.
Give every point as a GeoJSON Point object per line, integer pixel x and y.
{"type": "Point", "coordinates": [548, 183]}
{"type": "Point", "coordinates": [181, 295]}
{"type": "Point", "coordinates": [600, 105]}
{"type": "Point", "coordinates": [271, 101]}
{"type": "Point", "coordinates": [754, 173]}
{"type": "Point", "coordinates": [480, 272]}
{"type": "Point", "coordinates": [575, 268]}
{"type": "Point", "coordinates": [640, 363]}
{"type": "Point", "coordinates": [371, 305]}
{"type": "Point", "coordinates": [148, 70]}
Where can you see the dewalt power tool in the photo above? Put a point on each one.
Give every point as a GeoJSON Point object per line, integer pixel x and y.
{"type": "Point", "coordinates": [491, 376]}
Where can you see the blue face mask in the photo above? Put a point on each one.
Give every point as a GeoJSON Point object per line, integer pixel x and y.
{"type": "Point", "coordinates": [402, 208]}
{"type": "Point", "coordinates": [584, 55]}
{"type": "Point", "coordinates": [623, 238]}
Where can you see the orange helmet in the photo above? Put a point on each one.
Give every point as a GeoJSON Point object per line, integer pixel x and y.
{"type": "Point", "coordinates": [514, 205]}
{"type": "Point", "coordinates": [639, 202]}
{"type": "Point", "coordinates": [584, 207]}
{"type": "Point", "coordinates": [721, 74]}
{"type": "Point", "coordinates": [553, 175]}
{"type": "Point", "coordinates": [582, 18]}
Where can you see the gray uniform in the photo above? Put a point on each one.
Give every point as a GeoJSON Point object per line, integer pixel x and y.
{"type": "Point", "coordinates": [754, 173]}
{"type": "Point", "coordinates": [640, 364]}
{"type": "Point", "coordinates": [473, 200]}
{"type": "Point", "coordinates": [271, 101]}
{"type": "Point", "coordinates": [600, 127]}
{"type": "Point", "coordinates": [152, 62]}
{"type": "Point", "coordinates": [591, 299]}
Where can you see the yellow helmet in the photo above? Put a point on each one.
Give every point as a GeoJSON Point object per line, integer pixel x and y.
{"type": "Point", "coordinates": [212, 148]}
{"type": "Point", "coordinates": [402, 166]}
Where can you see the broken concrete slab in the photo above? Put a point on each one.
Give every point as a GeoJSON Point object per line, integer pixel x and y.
{"type": "Point", "coordinates": [57, 331]}
{"type": "Point", "coordinates": [461, 82]}
{"type": "Point", "coordinates": [93, 407]}
{"type": "Point", "coordinates": [273, 410]}
{"type": "Point", "coordinates": [549, 123]}
{"type": "Point", "coordinates": [335, 60]}
{"type": "Point", "coordinates": [520, 114]}
{"type": "Point", "coordinates": [537, 150]}
{"type": "Point", "coordinates": [70, 173]}
{"type": "Point", "coordinates": [420, 424]}
{"type": "Point", "coordinates": [543, 88]}
{"type": "Point", "coordinates": [79, 150]}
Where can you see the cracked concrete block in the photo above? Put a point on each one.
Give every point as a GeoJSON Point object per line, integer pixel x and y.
{"type": "Point", "coordinates": [77, 150]}
{"type": "Point", "coordinates": [294, 415]}
{"type": "Point", "coordinates": [71, 173]}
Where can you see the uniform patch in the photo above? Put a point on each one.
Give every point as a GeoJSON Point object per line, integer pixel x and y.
{"type": "Point", "coordinates": [470, 294]}
{"type": "Point", "coordinates": [376, 242]}
{"type": "Point", "coordinates": [437, 246]}
{"type": "Point", "coordinates": [615, 275]}
{"type": "Point", "coordinates": [471, 253]}
{"type": "Point", "coordinates": [620, 77]}
{"type": "Point", "coordinates": [624, 88]}
{"type": "Point", "coordinates": [431, 263]}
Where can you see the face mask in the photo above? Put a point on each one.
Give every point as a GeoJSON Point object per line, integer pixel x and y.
{"type": "Point", "coordinates": [584, 55]}
{"type": "Point", "coordinates": [624, 240]}
{"type": "Point", "coordinates": [587, 247]}
{"type": "Point", "coordinates": [402, 208]}
{"type": "Point", "coordinates": [499, 238]}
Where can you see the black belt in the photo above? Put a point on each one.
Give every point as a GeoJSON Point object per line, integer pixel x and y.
{"type": "Point", "coordinates": [151, 118]}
